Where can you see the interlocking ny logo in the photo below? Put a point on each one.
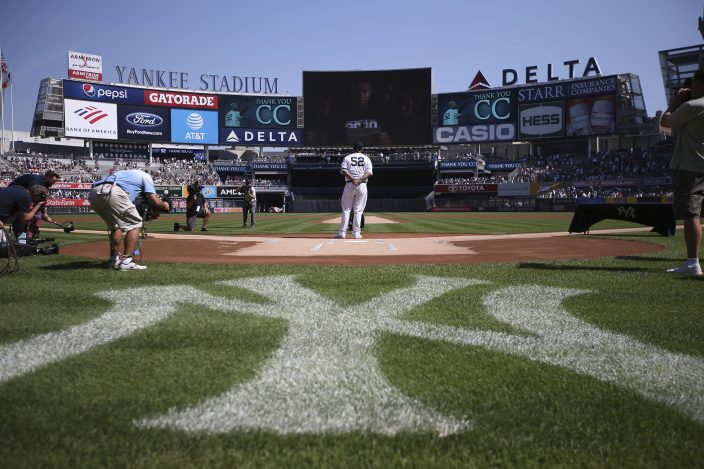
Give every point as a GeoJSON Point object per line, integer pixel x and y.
{"type": "Point", "coordinates": [626, 212]}
{"type": "Point", "coordinates": [324, 377]}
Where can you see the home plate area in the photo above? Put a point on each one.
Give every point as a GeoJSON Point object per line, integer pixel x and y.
{"type": "Point", "coordinates": [373, 249]}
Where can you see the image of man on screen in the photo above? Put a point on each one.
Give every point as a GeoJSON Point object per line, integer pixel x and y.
{"type": "Point", "coordinates": [364, 119]}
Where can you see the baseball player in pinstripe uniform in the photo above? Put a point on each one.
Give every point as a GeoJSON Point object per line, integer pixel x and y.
{"type": "Point", "coordinates": [357, 168]}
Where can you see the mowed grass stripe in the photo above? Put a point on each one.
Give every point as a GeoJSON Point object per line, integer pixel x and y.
{"type": "Point", "coordinates": [80, 412]}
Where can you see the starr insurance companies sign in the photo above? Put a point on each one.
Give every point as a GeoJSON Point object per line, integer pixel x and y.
{"type": "Point", "coordinates": [85, 66]}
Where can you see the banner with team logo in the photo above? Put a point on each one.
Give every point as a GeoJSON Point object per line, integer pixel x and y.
{"type": "Point", "coordinates": [85, 66]}
{"type": "Point", "coordinates": [90, 119]}
{"type": "Point", "coordinates": [105, 93]}
{"type": "Point", "coordinates": [279, 137]}
{"type": "Point", "coordinates": [194, 126]}
{"type": "Point", "coordinates": [144, 123]}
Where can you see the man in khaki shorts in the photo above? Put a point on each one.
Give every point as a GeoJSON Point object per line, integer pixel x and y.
{"type": "Point", "coordinates": [113, 199]}
{"type": "Point", "coordinates": [686, 115]}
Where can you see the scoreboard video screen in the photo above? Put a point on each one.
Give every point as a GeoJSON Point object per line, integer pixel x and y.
{"type": "Point", "coordinates": [378, 108]}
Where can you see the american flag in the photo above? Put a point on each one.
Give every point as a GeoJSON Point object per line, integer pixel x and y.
{"type": "Point", "coordinates": [6, 78]}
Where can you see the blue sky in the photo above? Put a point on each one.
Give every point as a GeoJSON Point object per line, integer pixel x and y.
{"type": "Point", "coordinates": [280, 39]}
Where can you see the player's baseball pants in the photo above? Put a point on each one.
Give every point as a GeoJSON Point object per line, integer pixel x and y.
{"type": "Point", "coordinates": [354, 198]}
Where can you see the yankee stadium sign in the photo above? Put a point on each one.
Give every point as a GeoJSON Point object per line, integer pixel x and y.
{"type": "Point", "coordinates": [207, 82]}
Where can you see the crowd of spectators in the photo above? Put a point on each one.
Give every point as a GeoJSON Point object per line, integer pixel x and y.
{"type": "Point", "coordinates": [611, 173]}
{"type": "Point", "coordinates": [560, 175]}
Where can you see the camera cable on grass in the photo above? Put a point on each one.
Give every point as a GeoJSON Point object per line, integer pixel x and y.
{"type": "Point", "coordinates": [8, 255]}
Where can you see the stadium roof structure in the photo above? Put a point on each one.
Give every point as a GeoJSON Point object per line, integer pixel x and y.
{"type": "Point", "coordinates": [678, 65]}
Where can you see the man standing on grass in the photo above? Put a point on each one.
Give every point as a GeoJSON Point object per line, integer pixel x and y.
{"type": "Point", "coordinates": [686, 115]}
{"type": "Point", "coordinates": [250, 202]}
{"type": "Point", "coordinates": [357, 168]}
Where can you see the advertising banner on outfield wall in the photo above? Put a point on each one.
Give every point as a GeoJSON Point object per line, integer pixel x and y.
{"type": "Point", "coordinates": [105, 93]}
{"type": "Point", "coordinates": [258, 112]}
{"type": "Point", "coordinates": [90, 120]}
{"type": "Point", "coordinates": [67, 203]}
{"type": "Point", "coordinates": [228, 192]}
{"type": "Point", "coordinates": [485, 189]}
{"type": "Point", "coordinates": [72, 185]}
{"type": "Point", "coordinates": [476, 116]}
{"type": "Point", "coordinates": [517, 189]}
{"type": "Point", "coordinates": [144, 123]}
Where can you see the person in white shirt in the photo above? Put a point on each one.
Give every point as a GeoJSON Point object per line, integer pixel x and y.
{"type": "Point", "coordinates": [357, 168]}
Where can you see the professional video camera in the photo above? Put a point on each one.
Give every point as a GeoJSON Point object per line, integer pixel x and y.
{"type": "Point", "coordinates": [34, 246]}
{"type": "Point", "coordinates": [147, 211]}
{"type": "Point", "coordinates": [194, 188]}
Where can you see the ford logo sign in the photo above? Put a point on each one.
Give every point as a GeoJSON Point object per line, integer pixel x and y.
{"type": "Point", "coordinates": [144, 119]}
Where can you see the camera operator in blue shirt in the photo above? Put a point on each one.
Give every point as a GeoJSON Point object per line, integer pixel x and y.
{"type": "Point", "coordinates": [113, 199]}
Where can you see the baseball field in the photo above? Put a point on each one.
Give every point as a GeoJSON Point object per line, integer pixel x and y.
{"type": "Point", "coordinates": [438, 340]}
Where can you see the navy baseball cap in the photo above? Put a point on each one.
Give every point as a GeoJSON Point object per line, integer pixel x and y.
{"type": "Point", "coordinates": [358, 146]}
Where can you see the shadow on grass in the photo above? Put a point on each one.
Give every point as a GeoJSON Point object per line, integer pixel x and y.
{"type": "Point", "coordinates": [78, 265]}
{"type": "Point", "coordinates": [542, 266]}
{"type": "Point", "coordinates": [676, 260]}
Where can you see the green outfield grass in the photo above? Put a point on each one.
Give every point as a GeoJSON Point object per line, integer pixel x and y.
{"type": "Point", "coordinates": [588, 363]}
{"type": "Point", "coordinates": [406, 222]}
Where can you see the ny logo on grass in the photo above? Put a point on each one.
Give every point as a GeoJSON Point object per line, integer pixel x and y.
{"type": "Point", "coordinates": [324, 377]}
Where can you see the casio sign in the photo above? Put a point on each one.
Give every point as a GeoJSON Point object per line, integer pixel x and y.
{"type": "Point", "coordinates": [541, 120]}
{"type": "Point", "coordinates": [144, 119]}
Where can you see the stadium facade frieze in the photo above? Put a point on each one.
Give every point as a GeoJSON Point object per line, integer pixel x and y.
{"type": "Point", "coordinates": [206, 81]}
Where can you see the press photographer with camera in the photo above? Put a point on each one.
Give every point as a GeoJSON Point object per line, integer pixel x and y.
{"type": "Point", "coordinates": [28, 180]}
{"type": "Point", "coordinates": [196, 207]}
{"type": "Point", "coordinates": [20, 203]}
{"type": "Point", "coordinates": [686, 115]}
{"type": "Point", "coordinates": [113, 199]}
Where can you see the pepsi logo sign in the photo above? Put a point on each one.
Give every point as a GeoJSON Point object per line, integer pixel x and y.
{"type": "Point", "coordinates": [144, 119]}
{"type": "Point", "coordinates": [88, 90]}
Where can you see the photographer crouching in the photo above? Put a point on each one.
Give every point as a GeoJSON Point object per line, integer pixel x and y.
{"type": "Point", "coordinates": [113, 199]}
{"type": "Point", "coordinates": [196, 207]}
{"type": "Point", "coordinates": [20, 203]}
